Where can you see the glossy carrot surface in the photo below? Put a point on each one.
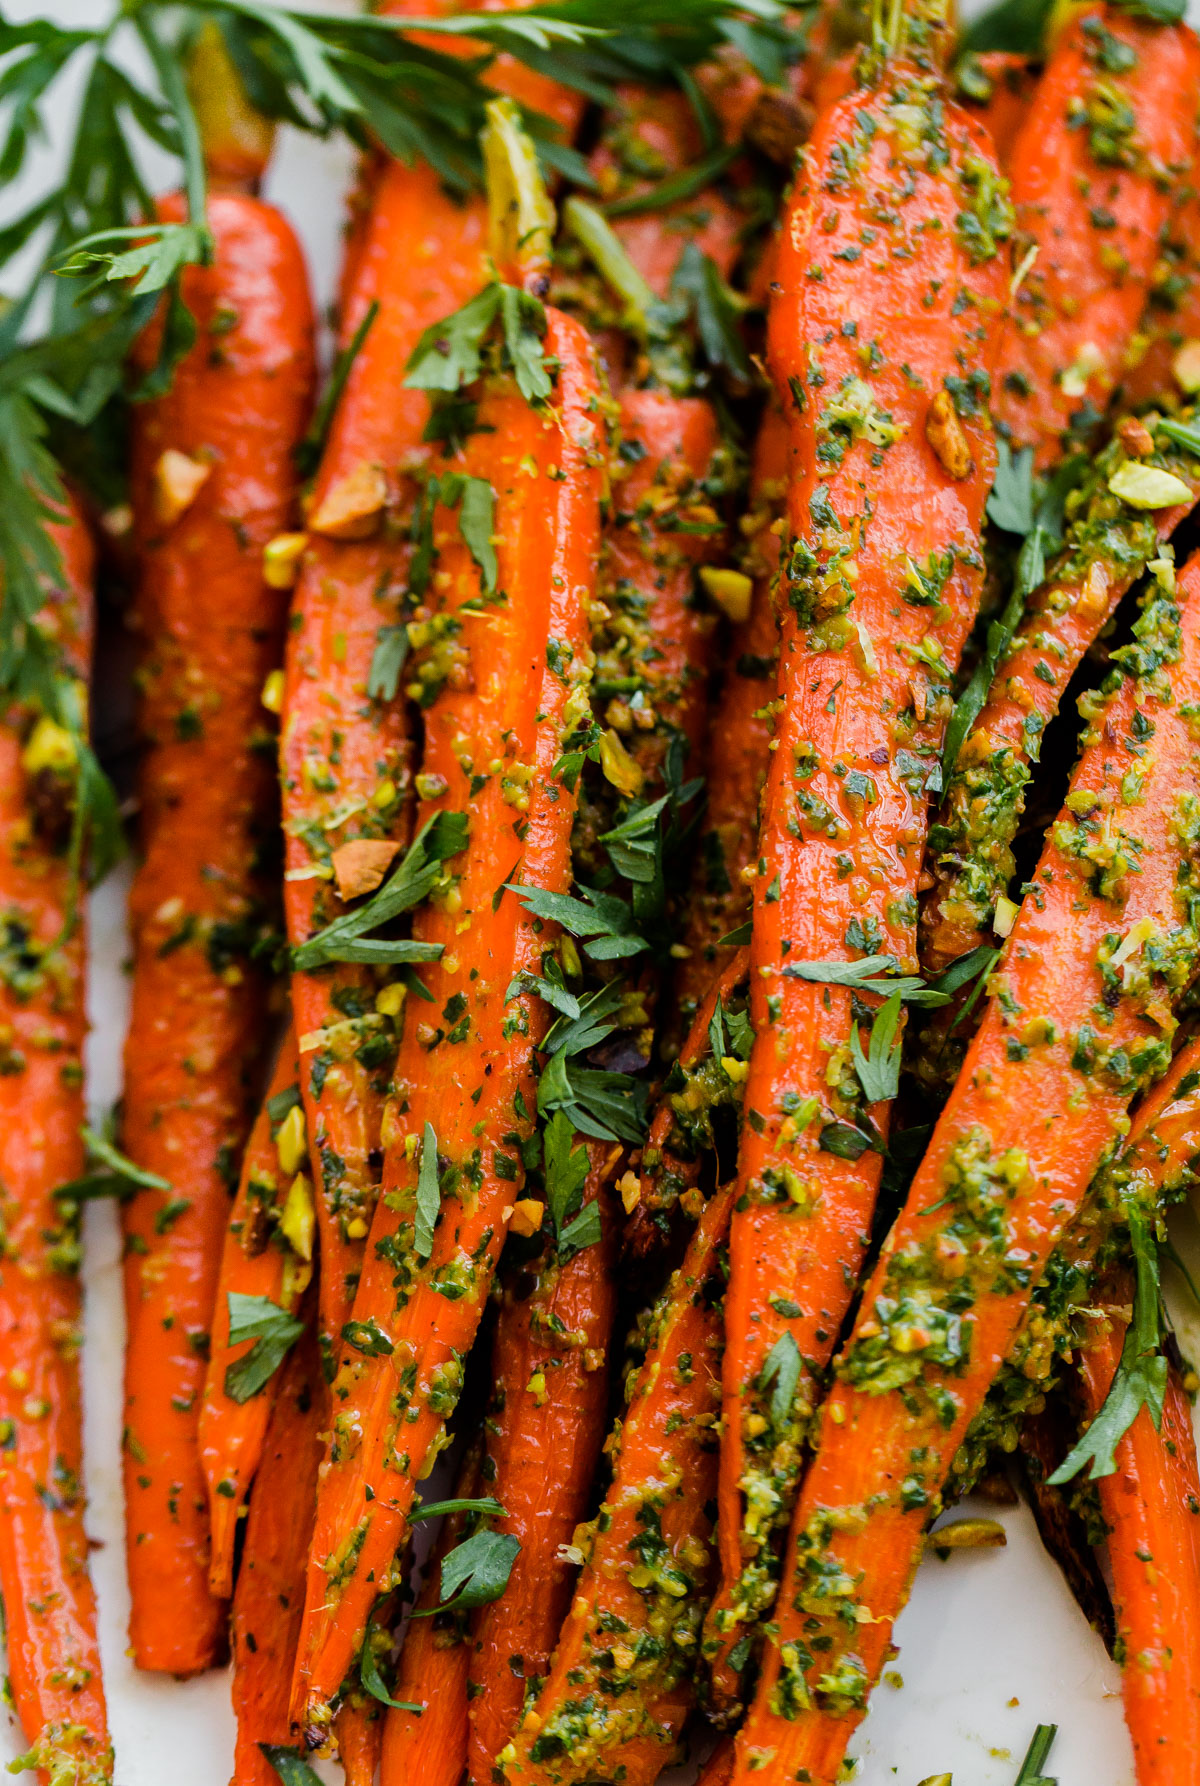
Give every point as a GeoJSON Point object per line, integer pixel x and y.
{"type": "Point", "coordinates": [49, 1608]}
{"type": "Point", "coordinates": [212, 482]}
{"type": "Point", "coordinates": [890, 465]}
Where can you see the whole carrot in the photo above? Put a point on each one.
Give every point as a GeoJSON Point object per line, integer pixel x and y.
{"type": "Point", "coordinates": [1150, 1506]}
{"type": "Point", "coordinates": [269, 1598]}
{"type": "Point", "coordinates": [1108, 134]}
{"type": "Point", "coordinates": [501, 671]}
{"type": "Point", "coordinates": [212, 483]}
{"type": "Point", "coordinates": [738, 746]}
{"type": "Point", "coordinates": [621, 1684]}
{"type": "Point", "coordinates": [267, 1257]}
{"type": "Point", "coordinates": [1066, 1041]}
{"type": "Point", "coordinates": [550, 1402]}
{"type": "Point", "coordinates": [425, 1735]}
{"type": "Point", "coordinates": [49, 1606]}
{"type": "Point", "coordinates": [1133, 497]}
{"type": "Point", "coordinates": [891, 461]}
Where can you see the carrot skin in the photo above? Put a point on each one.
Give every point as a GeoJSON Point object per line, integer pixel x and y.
{"type": "Point", "coordinates": [664, 1475]}
{"type": "Point", "coordinates": [255, 1261]}
{"type": "Point", "coordinates": [502, 700]}
{"type": "Point", "coordinates": [49, 1605]}
{"type": "Point", "coordinates": [1012, 80]}
{"type": "Point", "coordinates": [862, 697]}
{"type": "Point", "coordinates": [269, 1597]}
{"type": "Point", "coordinates": [1009, 1162]}
{"type": "Point", "coordinates": [359, 1731]}
{"type": "Point", "coordinates": [1151, 1508]}
{"type": "Point", "coordinates": [212, 630]}
{"type": "Point", "coordinates": [1108, 133]}
{"type": "Point", "coordinates": [549, 1408]}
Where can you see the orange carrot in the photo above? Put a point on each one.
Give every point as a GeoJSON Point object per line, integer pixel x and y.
{"type": "Point", "coordinates": [545, 1429]}
{"type": "Point", "coordinates": [621, 1684]}
{"type": "Point", "coordinates": [1151, 1509]}
{"type": "Point", "coordinates": [1067, 1039]}
{"type": "Point", "coordinates": [891, 462]}
{"type": "Point", "coordinates": [739, 738]}
{"type": "Point", "coordinates": [1111, 538]}
{"type": "Point", "coordinates": [501, 678]}
{"type": "Point", "coordinates": [997, 86]}
{"type": "Point", "coordinates": [267, 1255]}
{"type": "Point", "coordinates": [1163, 361]}
{"type": "Point", "coordinates": [269, 1597]}
{"type": "Point", "coordinates": [49, 1606]}
{"type": "Point", "coordinates": [212, 483]}
{"type": "Point", "coordinates": [1109, 131]}
{"type": "Point", "coordinates": [430, 1745]}
{"type": "Point", "coordinates": [358, 1728]}
{"type": "Point", "coordinates": [681, 1136]}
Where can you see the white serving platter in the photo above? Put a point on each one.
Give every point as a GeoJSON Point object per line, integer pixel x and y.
{"type": "Point", "coordinates": [991, 1644]}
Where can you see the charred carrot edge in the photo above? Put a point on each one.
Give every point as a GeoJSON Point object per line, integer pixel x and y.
{"type": "Point", "coordinates": [945, 1303]}
{"type": "Point", "coordinates": [212, 483]}
{"type": "Point", "coordinates": [1045, 1439]}
{"type": "Point", "coordinates": [502, 687]}
{"type": "Point", "coordinates": [1106, 136]}
{"type": "Point", "coordinates": [997, 86]}
{"type": "Point", "coordinates": [623, 1677]}
{"type": "Point", "coordinates": [49, 1606]}
{"type": "Point", "coordinates": [544, 1434]}
{"type": "Point", "coordinates": [1151, 1509]}
{"type": "Point", "coordinates": [1110, 541]}
{"type": "Point", "coordinates": [738, 748]}
{"type": "Point", "coordinates": [681, 1131]}
{"type": "Point", "coordinates": [891, 461]}
{"type": "Point", "coordinates": [267, 1252]}
{"type": "Point", "coordinates": [269, 1597]}
{"type": "Point", "coordinates": [430, 1745]}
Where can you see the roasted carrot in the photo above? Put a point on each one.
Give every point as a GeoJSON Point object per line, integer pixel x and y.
{"type": "Point", "coordinates": [891, 462]}
{"type": "Point", "coordinates": [501, 670]}
{"type": "Point", "coordinates": [212, 483]}
{"type": "Point", "coordinates": [1108, 133]}
{"type": "Point", "coordinates": [738, 746]}
{"type": "Point", "coordinates": [415, 256]}
{"type": "Point", "coordinates": [269, 1597]}
{"type": "Point", "coordinates": [358, 1730]}
{"type": "Point", "coordinates": [1067, 1039]}
{"type": "Point", "coordinates": [997, 87]}
{"type": "Point", "coordinates": [267, 1254]}
{"type": "Point", "coordinates": [1118, 521]}
{"type": "Point", "coordinates": [544, 1432]}
{"type": "Point", "coordinates": [49, 1607]}
{"type": "Point", "coordinates": [1151, 1509]}
{"type": "Point", "coordinates": [622, 1681]}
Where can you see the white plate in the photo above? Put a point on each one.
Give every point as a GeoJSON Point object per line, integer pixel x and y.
{"type": "Point", "coordinates": [991, 1644]}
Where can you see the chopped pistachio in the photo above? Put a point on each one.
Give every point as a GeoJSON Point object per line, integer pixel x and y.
{"type": "Point", "coordinates": [1148, 487]}
{"type": "Point", "coordinates": [731, 590]}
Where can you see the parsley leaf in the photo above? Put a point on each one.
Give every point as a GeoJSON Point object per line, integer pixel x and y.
{"type": "Point", "coordinates": [604, 918]}
{"type": "Point", "coordinates": [605, 1106]}
{"type": "Point", "coordinates": [387, 661]}
{"type": "Point", "coordinates": [117, 1176]}
{"type": "Point", "coordinates": [1141, 1376]}
{"type": "Point", "coordinates": [450, 353]}
{"type": "Point", "coordinates": [879, 1070]}
{"type": "Point", "coordinates": [345, 939]}
{"type": "Point", "coordinates": [274, 1332]}
{"type": "Point", "coordinates": [368, 1667]}
{"type": "Point", "coordinates": [781, 1367]}
{"type": "Point", "coordinates": [486, 1504]}
{"type": "Point", "coordinates": [477, 1570]}
{"type": "Point", "coordinates": [877, 973]}
{"type": "Point", "coordinates": [292, 1769]}
{"type": "Point", "coordinates": [429, 1195]}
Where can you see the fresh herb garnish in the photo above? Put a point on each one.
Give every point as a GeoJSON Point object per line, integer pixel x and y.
{"type": "Point", "coordinates": [308, 453]}
{"type": "Point", "coordinates": [292, 1769]}
{"type": "Point", "coordinates": [781, 1374]}
{"type": "Point", "coordinates": [876, 973]}
{"type": "Point", "coordinates": [879, 1069]}
{"type": "Point", "coordinates": [368, 1667]}
{"type": "Point", "coordinates": [1039, 1753]}
{"type": "Point", "coordinates": [117, 1176]}
{"type": "Point", "coordinates": [347, 938]}
{"type": "Point", "coordinates": [1141, 1376]}
{"type": "Point", "coordinates": [429, 1195]}
{"type": "Point", "coordinates": [274, 1332]}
